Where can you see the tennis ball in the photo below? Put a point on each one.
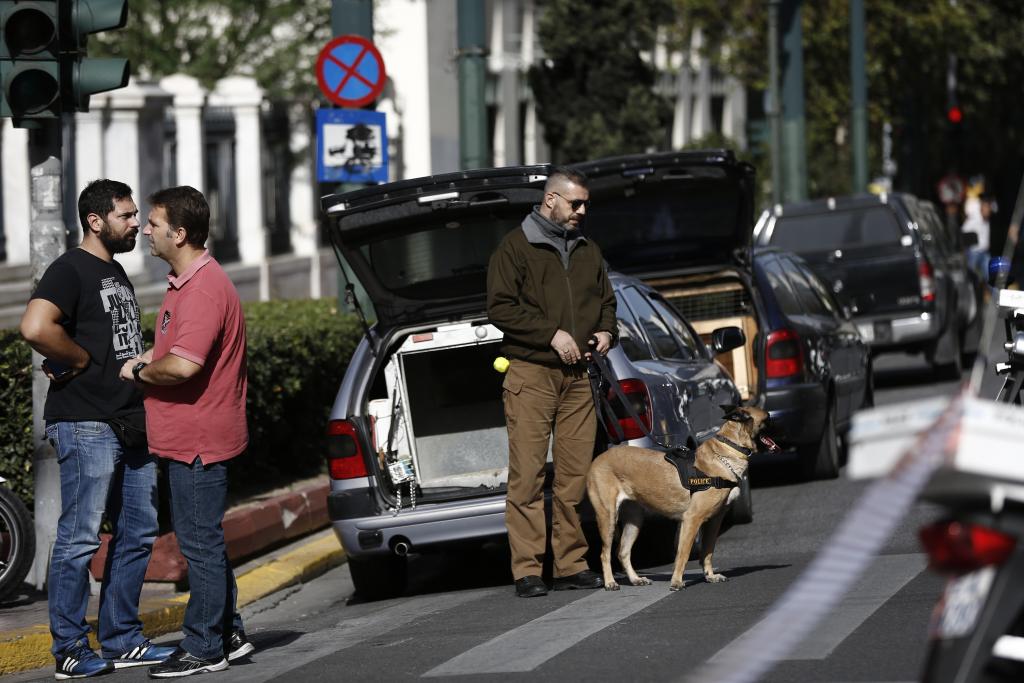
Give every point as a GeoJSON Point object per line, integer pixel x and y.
{"type": "Point", "coordinates": [501, 364]}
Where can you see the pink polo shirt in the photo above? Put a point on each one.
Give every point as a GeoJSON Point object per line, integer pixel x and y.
{"type": "Point", "coordinates": [200, 320]}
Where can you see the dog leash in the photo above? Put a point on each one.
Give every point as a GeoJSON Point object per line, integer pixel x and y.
{"type": "Point", "coordinates": [598, 371]}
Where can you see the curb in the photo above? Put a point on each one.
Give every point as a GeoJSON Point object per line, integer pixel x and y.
{"type": "Point", "coordinates": [29, 648]}
{"type": "Point", "coordinates": [249, 529]}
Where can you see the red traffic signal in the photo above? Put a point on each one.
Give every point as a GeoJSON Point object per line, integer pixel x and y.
{"type": "Point", "coordinates": [954, 114]}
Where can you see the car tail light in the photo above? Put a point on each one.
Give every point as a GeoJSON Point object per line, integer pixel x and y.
{"type": "Point", "coordinates": [926, 280]}
{"type": "Point", "coordinates": [344, 454]}
{"type": "Point", "coordinates": [640, 400]}
{"type": "Point", "coordinates": [958, 548]}
{"type": "Point", "coordinates": [783, 356]}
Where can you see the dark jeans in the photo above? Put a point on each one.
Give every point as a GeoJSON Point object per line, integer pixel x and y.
{"type": "Point", "coordinates": [99, 475]}
{"type": "Point", "coordinates": [198, 498]}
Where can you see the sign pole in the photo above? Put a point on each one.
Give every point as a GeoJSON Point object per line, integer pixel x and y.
{"type": "Point", "coordinates": [47, 241]}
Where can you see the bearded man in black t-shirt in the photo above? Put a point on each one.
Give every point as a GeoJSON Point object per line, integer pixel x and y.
{"type": "Point", "coordinates": [84, 319]}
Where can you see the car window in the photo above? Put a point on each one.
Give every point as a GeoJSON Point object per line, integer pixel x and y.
{"type": "Point", "coordinates": [820, 291]}
{"type": "Point", "coordinates": [684, 336]}
{"type": "Point", "coordinates": [837, 229]}
{"type": "Point", "coordinates": [776, 276]}
{"type": "Point", "coordinates": [805, 294]}
{"type": "Point", "coordinates": [631, 339]}
{"type": "Point", "coordinates": [661, 338]}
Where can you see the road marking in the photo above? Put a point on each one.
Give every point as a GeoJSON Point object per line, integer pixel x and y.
{"type": "Point", "coordinates": [313, 646]}
{"type": "Point", "coordinates": [885, 577]}
{"type": "Point", "coordinates": [530, 645]}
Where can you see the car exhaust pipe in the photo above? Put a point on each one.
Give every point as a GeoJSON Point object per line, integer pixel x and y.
{"type": "Point", "coordinates": [401, 548]}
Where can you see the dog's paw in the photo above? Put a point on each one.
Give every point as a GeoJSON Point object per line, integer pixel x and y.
{"type": "Point", "coordinates": [641, 581]}
{"type": "Point", "coordinates": [611, 586]}
{"type": "Point", "coordinates": [675, 586]}
{"type": "Point", "coordinates": [716, 578]}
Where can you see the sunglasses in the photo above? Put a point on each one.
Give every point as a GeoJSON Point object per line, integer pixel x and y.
{"type": "Point", "coordinates": [575, 204]}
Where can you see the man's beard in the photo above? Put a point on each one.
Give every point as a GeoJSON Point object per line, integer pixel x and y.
{"type": "Point", "coordinates": [114, 244]}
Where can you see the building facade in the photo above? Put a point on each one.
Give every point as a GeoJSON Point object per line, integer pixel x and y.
{"type": "Point", "coordinates": [254, 159]}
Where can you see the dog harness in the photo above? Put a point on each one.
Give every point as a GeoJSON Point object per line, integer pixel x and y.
{"type": "Point", "coordinates": [692, 478]}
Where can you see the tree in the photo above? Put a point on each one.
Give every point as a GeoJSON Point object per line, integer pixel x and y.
{"type": "Point", "coordinates": [908, 51]}
{"type": "Point", "coordinates": [274, 41]}
{"type": "Point", "coordinates": [594, 91]}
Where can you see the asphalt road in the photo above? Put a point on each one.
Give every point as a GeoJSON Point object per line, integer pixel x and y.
{"type": "Point", "coordinates": [459, 619]}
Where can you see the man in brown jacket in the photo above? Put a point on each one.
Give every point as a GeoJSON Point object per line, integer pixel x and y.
{"type": "Point", "coordinates": [548, 292]}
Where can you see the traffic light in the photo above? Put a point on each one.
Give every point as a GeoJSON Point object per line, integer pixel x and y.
{"type": "Point", "coordinates": [85, 76]}
{"type": "Point", "coordinates": [30, 60]}
{"type": "Point", "coordinates": [44, 69]}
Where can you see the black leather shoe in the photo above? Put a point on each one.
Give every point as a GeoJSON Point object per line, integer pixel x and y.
{"type": "Point", "coordinates": [530, 587]}
{"type": "Point", "coordinates": [585, 579]}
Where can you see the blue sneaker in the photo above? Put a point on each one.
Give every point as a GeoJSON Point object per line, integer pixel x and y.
{"type": "Point", "coordinates": [78, 661]}
{"type": "Point", "coordinates": [142, 654]}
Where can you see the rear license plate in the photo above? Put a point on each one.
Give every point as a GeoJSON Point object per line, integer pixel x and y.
{"type": "Point", "coordinates": [962, 603]}
{"type": "Point", "coordinates": [867, 332]}
{"type": "Point", "coordinates": [883, 331]}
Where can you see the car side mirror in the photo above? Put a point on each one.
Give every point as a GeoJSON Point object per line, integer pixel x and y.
{"type": "Point", "coordinates": [727, 338]}
{"type": "Point", "coordinates": [970, 239]}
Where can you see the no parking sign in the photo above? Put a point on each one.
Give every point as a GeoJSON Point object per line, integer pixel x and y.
{"type": "Point", "coordinates": [350, 71]}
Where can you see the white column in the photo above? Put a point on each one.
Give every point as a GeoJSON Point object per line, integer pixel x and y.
{"type": "Point", "coordinates": [701, 123]}
{"type": "Point", "coordinates": [121, 157]}
{"type": "Point", "coordinates": [734, 114]}
{"type": "Point", "coordinates": [17, 192]}
{"type": "Point", "coordinates": [189, 98]}
{"type": "Point", "coordinates": [244, 97]}
{"type": "Point", "coordinates": [532, 136]}
{"type": "Point", "coordinates": [496, 64]}
{"type": "Point", "coordinates": [89, 147]}
{"type": "Point", "coordinates": [681, 116]}
{"type": "Point", "coordinates": [402, 41]}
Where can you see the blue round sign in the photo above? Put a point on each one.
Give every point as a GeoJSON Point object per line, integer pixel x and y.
{"type": "Point", "coordinates": [350, 71]}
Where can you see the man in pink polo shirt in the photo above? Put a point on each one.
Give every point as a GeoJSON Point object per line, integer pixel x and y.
{"type": "Point", "coordinates": [194, 380]}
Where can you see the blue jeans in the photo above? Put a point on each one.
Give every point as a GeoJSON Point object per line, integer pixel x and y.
{"type": "Point", "coordinates": [198, 499]}
{"type": "Point", "coordinates": [97, 474]}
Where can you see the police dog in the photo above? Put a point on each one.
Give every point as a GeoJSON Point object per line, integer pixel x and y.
{"type": "Point", "coordinates": [623, 478]}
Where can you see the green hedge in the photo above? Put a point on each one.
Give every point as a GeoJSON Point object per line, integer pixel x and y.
{"type": "Point", "coordinates": [298, 352]}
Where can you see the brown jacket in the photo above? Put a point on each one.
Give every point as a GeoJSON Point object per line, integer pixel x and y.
{"type": "Point", "coordinates": [531, 295]}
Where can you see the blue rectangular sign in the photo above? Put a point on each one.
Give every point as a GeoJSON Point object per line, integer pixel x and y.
{"type": "Point", "coordinates": [351, 146]}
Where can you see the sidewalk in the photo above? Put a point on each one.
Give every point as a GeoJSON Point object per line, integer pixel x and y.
{"type": "Point", "coordinates": [254, 530]}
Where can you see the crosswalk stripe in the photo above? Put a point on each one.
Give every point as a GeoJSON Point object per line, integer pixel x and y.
{"type": "Point", "coordinates": [313, 646]}
{"type": "Point", "coordinates": [885, 577]}
{"type": "Point", "coordinates": [530, 645]}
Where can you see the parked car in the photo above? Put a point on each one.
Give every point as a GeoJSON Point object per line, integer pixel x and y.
{"type": "Point", "coordinates": [418, 449]}
{"type": "Point", "coordinates": [819, 368]}
{"type": "Point", "coordinates": [888, 259]}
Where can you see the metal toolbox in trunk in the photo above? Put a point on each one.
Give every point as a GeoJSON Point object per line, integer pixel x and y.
{"type": "Point", "coordinates": [444, 397]}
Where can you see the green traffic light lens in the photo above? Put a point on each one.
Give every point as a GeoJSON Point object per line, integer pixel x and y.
{"type": "Point", "coordinates": [28, 31]}
{"type": "Point", "coordinates": [32, 92]}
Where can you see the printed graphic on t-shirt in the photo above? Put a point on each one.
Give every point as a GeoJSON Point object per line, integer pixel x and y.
{"type": "Point", "coordinates": [119, 302]}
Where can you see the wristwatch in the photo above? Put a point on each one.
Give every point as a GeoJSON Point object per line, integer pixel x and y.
{"type": "Point", "coordinates": [136, 369]}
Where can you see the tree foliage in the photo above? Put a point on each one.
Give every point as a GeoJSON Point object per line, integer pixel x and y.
{"type": "Point", "coordinates": [908, 46]}
{"type": "Point", "coordinates": [273, 41]}
{"type": "Point", "coordinates": [594, 92]}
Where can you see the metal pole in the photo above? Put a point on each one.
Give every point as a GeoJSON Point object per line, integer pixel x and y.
{"type": "Point", "coordinates": [774, 110]}
{"type": "Point", "coordinates": [353, 17]}
{"type": "Point", "coordinates": [858, 80]}
{"type": "Point", "coordinates": [46, 242]}
{"type": "Point", "coordinates": [473, 148]}
{"type": "Point", "coordinates": [794, 161]}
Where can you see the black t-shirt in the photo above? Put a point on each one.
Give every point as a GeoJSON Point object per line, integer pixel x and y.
{"type": "Point", "coordinates": [102, 316]}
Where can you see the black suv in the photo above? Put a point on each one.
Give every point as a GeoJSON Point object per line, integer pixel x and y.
{"type": "Point", "coordinates": [682, 222]}
{"type": "Point", "coordinates": [888, 260]}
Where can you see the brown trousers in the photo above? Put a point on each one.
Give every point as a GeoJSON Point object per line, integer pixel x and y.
{"type": "Point", "coordinates": [536, 399]}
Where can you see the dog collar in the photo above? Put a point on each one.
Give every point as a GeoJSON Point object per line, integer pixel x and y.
{"type": "Point", "coordinates": [734, 446]}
